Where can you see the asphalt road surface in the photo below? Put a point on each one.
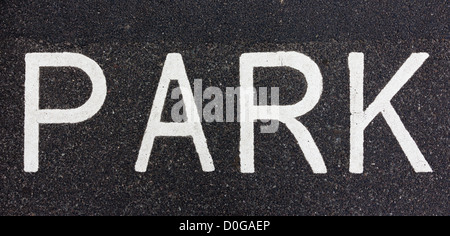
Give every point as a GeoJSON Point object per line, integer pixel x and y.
{"type": "Point", "coordinates": [88, 168]}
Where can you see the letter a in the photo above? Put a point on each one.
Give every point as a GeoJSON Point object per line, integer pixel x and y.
{"type": "Point", "coordinates": [174, 70]}
{"type": "Point", "coordinates": [360, 119]}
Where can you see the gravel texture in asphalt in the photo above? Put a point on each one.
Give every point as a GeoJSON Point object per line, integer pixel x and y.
{"type": "Point", "coordinates": [88, 168]}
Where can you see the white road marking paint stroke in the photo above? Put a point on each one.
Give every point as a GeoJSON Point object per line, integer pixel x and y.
{"type": "Point", "coordinates": [174, 70]}
{"type": "Point", "coordinates": [287, 113]}
{"type": "Point", "coordinates": [361, 118]}
{"type": "Point", "coordinates": [35, 116]}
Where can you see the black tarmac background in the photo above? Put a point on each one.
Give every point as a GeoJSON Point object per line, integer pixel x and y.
{"type": "Point", "coordinates": [88, 168]}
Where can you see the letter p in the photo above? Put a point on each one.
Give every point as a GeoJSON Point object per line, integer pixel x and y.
{"type": "Point", "coordinates": [35, 116]}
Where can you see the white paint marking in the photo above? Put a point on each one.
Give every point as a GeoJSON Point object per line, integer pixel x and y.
{"type": "Point", "coordinates": [35, 116]}
{"type": "Point", "coordinates": [174, 70]}
{"type": "Point", "coordinates": [287, 113]}
{"type": "Point", "coordinates": [360, 119]}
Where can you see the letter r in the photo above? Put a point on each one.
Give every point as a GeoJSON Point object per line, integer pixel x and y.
{"type": "Point", "coordinates": [287, 114]}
